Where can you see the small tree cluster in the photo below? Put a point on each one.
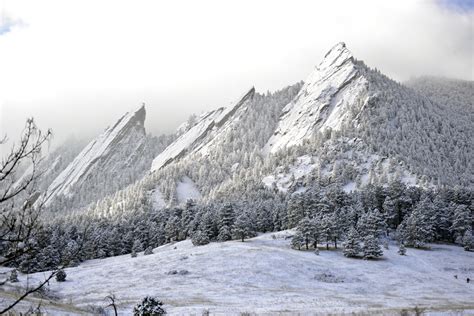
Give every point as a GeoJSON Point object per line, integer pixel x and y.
{"type": "Point", "coordinates": [149, 306]}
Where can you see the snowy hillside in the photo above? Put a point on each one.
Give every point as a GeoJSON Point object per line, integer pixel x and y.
{"type": "Point", "coordinates": [270, 278]}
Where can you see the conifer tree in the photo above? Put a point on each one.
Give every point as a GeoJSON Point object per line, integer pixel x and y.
{"type": "Point", "coordinates": [243, 227]}
{"type": "Point", "coordinates": [297, 241]}
{"type": "Point", "coordinates": [199, 238]}
{"type": "Point", "coordinates": [305, 227]}
{"type": "Point", "coordinates": [371, 248]}
{"type": "Point", "coordinates": [352, 247]}
{"type": "Point", "coordinates": [462, 220]}
{"type": "Point", "coordinates": [417, 229]}
{"type": "Point", "coordinates": [226, 221]}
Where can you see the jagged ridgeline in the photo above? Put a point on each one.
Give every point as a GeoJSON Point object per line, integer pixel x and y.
{"type": "Point", "coordinates": [348, 125]}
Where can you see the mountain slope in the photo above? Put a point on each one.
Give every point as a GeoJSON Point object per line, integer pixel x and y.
{"type": "Point", "coordinates": [117, 151]}
{"type": "Point", "coordinates": [325, 100]}
{"type": "Point", "coordinates": [347, 126]}
{"type": "Point", "coordinates": [343, 99]}
{"type": "Point", "coordinates": [208, 124]}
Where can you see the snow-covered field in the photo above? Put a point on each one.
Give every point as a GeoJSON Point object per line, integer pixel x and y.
{"type": "Point", "coordinates": [265, 276]}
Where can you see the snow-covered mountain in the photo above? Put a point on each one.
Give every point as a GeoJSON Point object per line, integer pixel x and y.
{"type": "Point", "coordinates": [348, 125]}
{"type": "Point", "coordinates": [206, 128]}
{"type": "Point", "coordinates": [331, 92]}
{"type": "Point", "coordinates": [344, 101]}
{"type": "Point", "coordinates": [116, 153]}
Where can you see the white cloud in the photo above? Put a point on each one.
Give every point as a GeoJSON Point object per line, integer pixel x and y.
{"type": "Point", "coordinates": [78, 65]}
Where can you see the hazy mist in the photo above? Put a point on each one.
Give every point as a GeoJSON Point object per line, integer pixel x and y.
{"type": "Point", "coordinates": [78, 66]}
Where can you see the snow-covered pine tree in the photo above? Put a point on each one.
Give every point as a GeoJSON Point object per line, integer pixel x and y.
{"type": "Point", "coordinates": [306, 229]}
{"type": "Point", "coordinates": [187, 217]}
{"type": "Point", "coordinates": [149, 306]}
{"type": "Point", "coordinates": [328, 227]}
{"type": "Point", "coordinates": [371, 248]}
{"type": "Point", "coordinates": [199, 238]}
{"type": "Point", "coordinates": [352, 247]}
{"type": "Point", "coordinates": [226, 221]}
{"type": "Point", "coordinates": [468, 240]}
{"type": "Point", "coordinates": [297, 241]}
{"type": "Point", "coordinates": [243, 227]}
{"type": "Point", "coordinates": [417, 229]}
{"type": "Point", "coordinates": [462, 221]}
{"type": "Point", "coordinates": [137, 246]}
{"type": "Point", "coordinates": [371, 223]}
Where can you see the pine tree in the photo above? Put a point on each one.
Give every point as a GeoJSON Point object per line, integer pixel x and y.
{"type": "Point", "coordinates": [149, 306]}
{"type": "Point", "coordinates": [61, 276]}
{"type": "Point", "coordinates": [417, 229]}
{"type": "Point", "coordinates": [371, 223]}
{"type": "Point", "coordinates": [208, 224]}
{"type": "Point", "coordinates": [137, 246]}
{"type": "Point", "coordinates": [297, 241]}
{"type": "Point", "coordinates": [226, 221]}
{"type": "Point", "coordinates": [468, 240]}
{"type": "Point", "coordinates": [462, 220]}
{"type": "Point", "coordinates": [352, 248]}
{"type": "Point", "coordinates": [306, 229]}
{"type": "Point", "coordinates": [371, 248]}
{"type": "Point", "coordinates": [188, 216]}
{"type": "Point", "coordinates": [295, 210]}
{"type": "Point", "coordinates": [328, 228]}
{"type": "Point", "coordinates": [199, 238]}
{"type": "Point", "coordinates": [225, 233]}
{"type": "Point", "coordinates": [243, 227]}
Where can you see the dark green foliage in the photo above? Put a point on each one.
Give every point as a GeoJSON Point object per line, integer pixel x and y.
{"type": "Point", "coordinates": [61, 276]}
{"type": "Point", "coordinates": [200, 238]}
{"type": "Point", "coordinates": [149, 306]}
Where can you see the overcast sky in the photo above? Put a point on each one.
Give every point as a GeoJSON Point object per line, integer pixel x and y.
{"type": "Point", "coordinates": [76, 66]}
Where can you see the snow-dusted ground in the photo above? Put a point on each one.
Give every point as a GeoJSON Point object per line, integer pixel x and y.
{"type": "Point", "coordinates": [265, 276]}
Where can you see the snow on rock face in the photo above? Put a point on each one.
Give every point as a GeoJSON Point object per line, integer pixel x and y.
{"type": "Point", "coordinates": [207, 124]}
{"type": "Point", "coordinates": [284, 180]}
{"type": "Point", "coordinates": [325, 101]}
{"type": "Point", "coordinates": [113, 150]}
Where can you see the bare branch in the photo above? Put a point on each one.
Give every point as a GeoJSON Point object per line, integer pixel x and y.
{"type": "Point", "coordinates": [28, 292]}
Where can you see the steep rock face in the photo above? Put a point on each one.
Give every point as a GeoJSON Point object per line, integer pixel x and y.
{"type": "Point", "coordinates": [204, 131]}
{"type": "Point", "coordinates": [330, 94]}
{"type": "Point", "coordinates": [118, 150]}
